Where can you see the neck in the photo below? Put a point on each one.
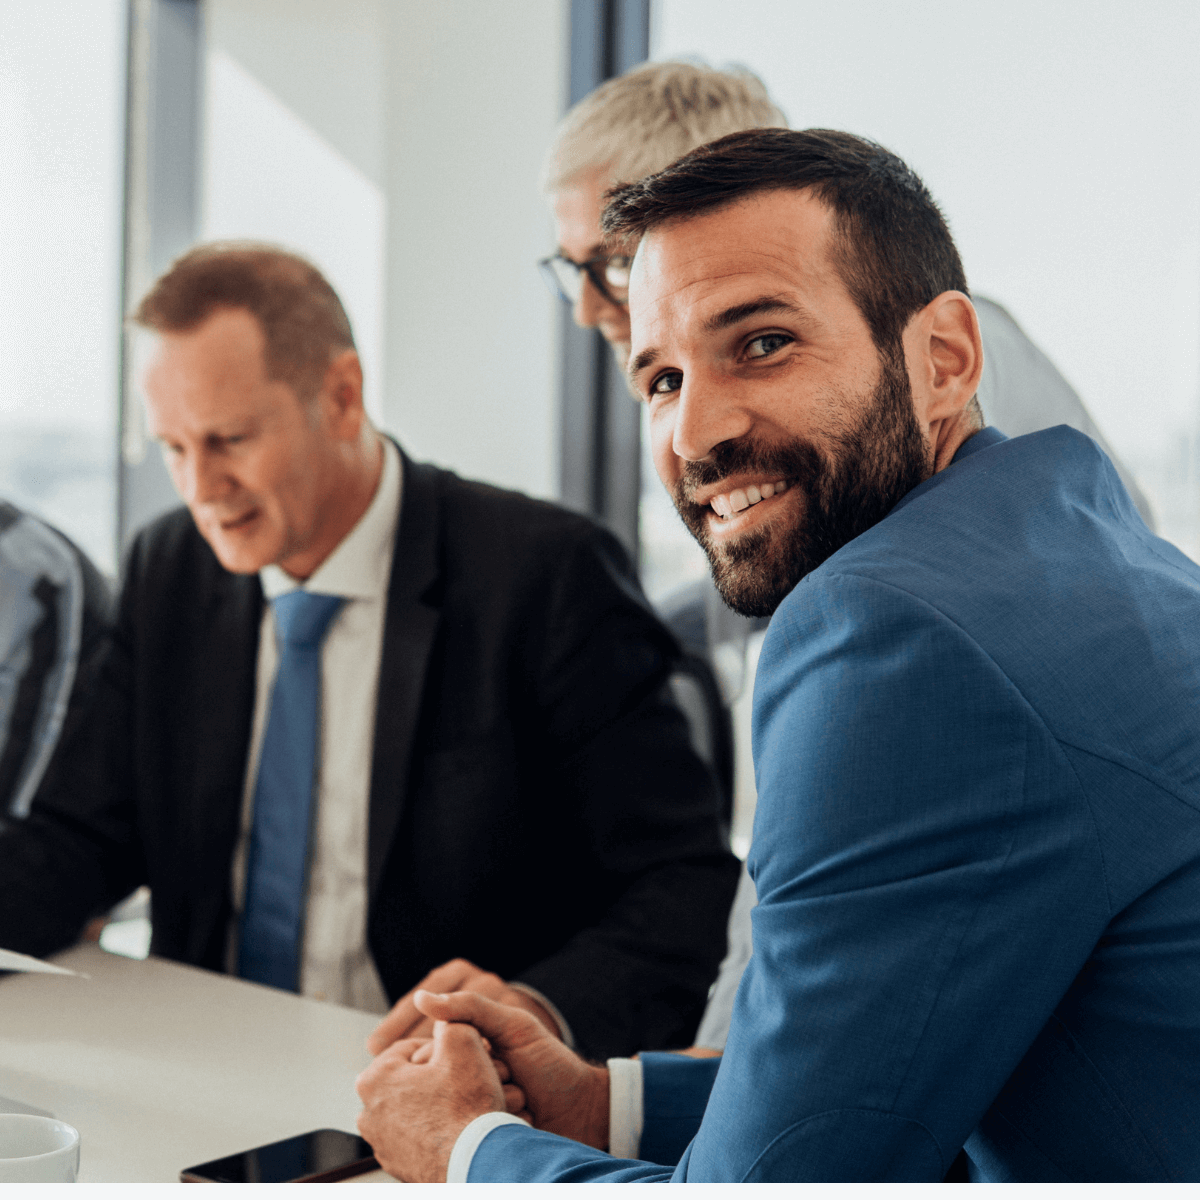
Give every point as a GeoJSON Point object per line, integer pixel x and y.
{"type": "Point", "coordinates": [951, 434]}
{"type": "Point", "coordinates": [354, 490]}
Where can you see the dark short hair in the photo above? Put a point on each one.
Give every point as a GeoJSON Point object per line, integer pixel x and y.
{"type": "Point", "coordinates": [302, 319]}
{"type": "Point", "coordinates": [893, 248]}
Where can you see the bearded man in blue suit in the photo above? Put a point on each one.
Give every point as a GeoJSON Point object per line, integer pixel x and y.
{"type": "Point", "coordinates": [977, 845]}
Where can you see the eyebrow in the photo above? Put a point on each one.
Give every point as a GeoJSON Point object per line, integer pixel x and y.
{"type": "Point", "coordinates": [752, 308]}
{"type": "Point", "coordinates": [596, 251]}
{"type": "Point", "coordinates": [640, 362]}
{"type": "Point", "coordinates": [725, 319]}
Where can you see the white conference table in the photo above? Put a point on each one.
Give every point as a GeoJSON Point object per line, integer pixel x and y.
{"type": "Point", "coordinates": [161, 1066]}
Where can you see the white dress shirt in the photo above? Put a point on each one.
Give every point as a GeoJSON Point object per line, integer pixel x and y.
{"type": "Point", "coordinates": [336, 962]}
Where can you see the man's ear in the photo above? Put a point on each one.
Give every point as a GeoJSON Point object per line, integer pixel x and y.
{"type": "Point", "coordinates": [945, 356]}
{"type": "Point", "coordinates": [342, 393]}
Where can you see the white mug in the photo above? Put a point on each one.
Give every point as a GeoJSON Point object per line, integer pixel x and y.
{"type": "Point", "coordinates": [37, 1149]}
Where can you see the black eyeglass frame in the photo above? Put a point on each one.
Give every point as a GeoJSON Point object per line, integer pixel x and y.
{"type": "Point", "coordinates": [592, 267]}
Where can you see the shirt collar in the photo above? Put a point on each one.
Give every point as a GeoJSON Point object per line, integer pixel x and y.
{"type": "Point", "coordinates": [360, 564]}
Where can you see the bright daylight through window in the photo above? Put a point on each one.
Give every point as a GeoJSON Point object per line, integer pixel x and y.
{"type": "Point", "coordinates": [62, 92]}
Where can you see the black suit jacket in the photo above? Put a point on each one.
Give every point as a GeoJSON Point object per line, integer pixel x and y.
{"type": "Point", "coordinates": [535, 805]}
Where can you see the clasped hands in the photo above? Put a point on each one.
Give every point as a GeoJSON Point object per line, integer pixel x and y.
{"type": "Point", "coordinates": [480, 1056]}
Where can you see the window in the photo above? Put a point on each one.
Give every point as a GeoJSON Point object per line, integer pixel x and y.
{"type": "Point", "coordinates": [270, 177]}
{"type": "Point", "coordinates": [62, 94]}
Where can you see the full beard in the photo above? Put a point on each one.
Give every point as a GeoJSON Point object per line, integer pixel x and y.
{"type": "Point", "coordinates": [868, 469]}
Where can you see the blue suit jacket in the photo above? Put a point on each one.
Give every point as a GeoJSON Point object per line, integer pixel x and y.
{"type": "Point", "coordinates": [977, 855]}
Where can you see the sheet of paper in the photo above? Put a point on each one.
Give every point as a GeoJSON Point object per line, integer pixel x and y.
{"type": "Point", "coordinates": [10, 960]}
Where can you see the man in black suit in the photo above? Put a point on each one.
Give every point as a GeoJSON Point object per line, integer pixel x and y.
{"type": "Point", "coordinates": [491, 768]}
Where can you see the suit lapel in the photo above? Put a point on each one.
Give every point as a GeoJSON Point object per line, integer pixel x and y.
{"type": "Point", "coordinates": [410, 626]}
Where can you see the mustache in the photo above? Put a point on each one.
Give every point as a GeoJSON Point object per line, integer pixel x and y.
{"type": "Point", "coordinates": [799, 462]}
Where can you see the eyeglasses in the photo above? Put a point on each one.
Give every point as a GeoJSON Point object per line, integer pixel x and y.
{"type": "Point", "coordinates": [610, 274]}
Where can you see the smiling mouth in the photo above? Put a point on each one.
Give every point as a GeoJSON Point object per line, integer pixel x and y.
{"type": "Point", "coordinates": [727, 505]}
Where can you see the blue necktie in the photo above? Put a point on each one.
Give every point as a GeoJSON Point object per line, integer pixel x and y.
{"type": "Point", "coordinates": [276, 875]}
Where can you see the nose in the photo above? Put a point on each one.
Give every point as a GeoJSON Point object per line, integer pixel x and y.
{"type": "Point", "coordinates": [706, 415]}
{"type": "Point", "coordinates": [198, 479]}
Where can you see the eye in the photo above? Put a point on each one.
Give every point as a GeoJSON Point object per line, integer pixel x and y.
{"type": "Point", "coordinates": [667, 382]}
{"type": "Point", "coordinates": [616, 270]}
{"type": "Point", "coordinates": [225, 441]}
{"type": "Point", "coordinates": [767, 344]}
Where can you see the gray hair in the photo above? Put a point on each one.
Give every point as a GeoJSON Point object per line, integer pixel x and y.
{"type": "Point", "coordinates": [642, 121]}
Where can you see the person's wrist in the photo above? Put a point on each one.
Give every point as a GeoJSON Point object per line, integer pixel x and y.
{"type": "Point", "coordinates": [447, 1137]}
{"type": "Point", "coordinates": [596, 1127]}
{"type": "Point", "coordinates": [468, 1141]}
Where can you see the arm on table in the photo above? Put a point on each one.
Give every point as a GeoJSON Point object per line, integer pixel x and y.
{"type": "Point", "coordinates": [928, 888]}
{"type": "Point", "coordinates": [76, 853]}
{"type": "Point", "coordinates": [420, 1096]}
{"type": "Point", "coordinates": [417, 1119]}
{"type": "Point", "coordinates": [675, 1094]}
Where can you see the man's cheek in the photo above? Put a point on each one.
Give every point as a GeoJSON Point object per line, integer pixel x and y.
{"type": "Point", "coordinates": [667, 464]}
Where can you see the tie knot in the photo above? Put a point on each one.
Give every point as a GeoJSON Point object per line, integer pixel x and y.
{"type": "Point", "coordinates": [301, 617]}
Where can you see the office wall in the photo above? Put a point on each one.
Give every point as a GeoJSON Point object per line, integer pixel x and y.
{"type": "Point", "coordinates": [323, 59]}
{"type": "Point", "coordinates": [473, 92]}
{"type": "Point", "coordinates": [397, 144]}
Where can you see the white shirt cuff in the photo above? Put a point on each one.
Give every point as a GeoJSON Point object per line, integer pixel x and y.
{"type": "Point", "coordinates": [564, 1030]}
{"type": "Point", "coordinates": [624, 1107]}
{"type": "Point", "coordinates": [469, 1139]}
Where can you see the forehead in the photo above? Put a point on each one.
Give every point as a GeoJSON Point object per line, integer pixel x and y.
{"type": "Point", "coordinates": [577, 207]}
{"type": "Point", "coordinates": [227, 339]}
{"type": "Point", "coordinates": [216, 371]}
{"type": "Point", "coordinates": [774, 243]}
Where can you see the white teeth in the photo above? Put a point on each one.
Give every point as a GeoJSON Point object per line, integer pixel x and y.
{"type": "Point", "coordinates": [740, 499]}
